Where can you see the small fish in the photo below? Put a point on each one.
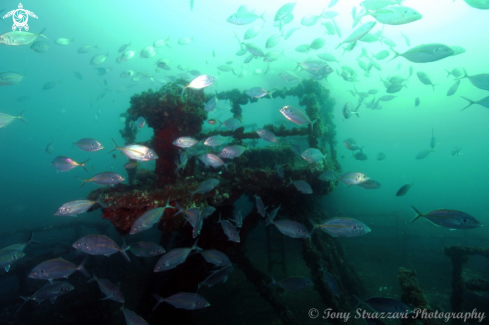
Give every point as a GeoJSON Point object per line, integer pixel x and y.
{"type": "Point", "coordinates": [216, 277]}
{"type": "Point", "coordinates": [63, 41]}
{"type": "Point", "coordinates": [260, 207]}
{"type": "Point", "coordinates": [343, 227]}
{"type": "Point", "coordinates": [416, 102]}
{"type": "Point", "coordinates": [301, 186]}
{"type": "Point", "coordinates": [232, 123]}
{"type": "Point", "coordinates": [132, 318]}
{"type": "Point", "coordinates": [295, 283]}
{"type": "Point", "coordinates": [359, 33]}
{"type": "Point", "coordinates": [267, 135]}
{"type": "Point", "coordinates": [50, 147]}
{"type": "Point", "coordinates": [329, 176]}
{"type": "Point", "coordinates": [204, 187]}
{"type": "Point", "coordinates": [185, 142]}
{"type": "Point", "coordinates": [184, 300]}
{"type": "Point", "coordinates": [56, 269]}
{"type": "Point", "coordinates": [114, 156]}
{"type": "Point", "coordinates": [290, 228]}
{"type": "Point", "coordinates": [370, 184]}
{"type": "Point", "coordinates": [136, 152]}
{"type": "Point", "coordinates": [9, 257]}
{"type": "Point", "coordinates": [404, 189]}
{"type": "Point", "coordinates": [353, 178]}
{"type": "Point", "coordinates": [73, 208]}
{"type": "Point", "coordinates": [207, 211]}
{"type": "Point", "coordinates": [331, 282]}
{"type": "Point", "coordinates": [238, 219]}
{"type": "Point", "coordinates": [360, 155]}
{"type": "Point", "coordinates": [78, 75]}
{"type": "Point", "coordinates": [147, 52]}
{"type": "Point", "coordinates": [229, 230]}
{"type": "Point", "coordinates": [217, 140]}
{"type": "Point", "coordinates": [423, 154]}
{"type": "Point", "coordinates": [49, 292]}
{"type": "Point", "coordinates": [110, 290]}
{"type": "Point", "coordinates": [452, 219]}
{"type": "Point", "coordinates": [232, 152]}
{"type": "Point", "coordinates": [123, 47]}
{"type": "Point", "coordinates": [456, 72]}
{"type": "Point", "coordinates": [10, 78]}
{"type": "Point", "coordinates": [87, 144]}
{"type": "Point", "coordinates": [453, 89]}
{"type": "Point", "coordinates": [50, 84]}
{"type": "Point", "coordinates": [380, 156]}
{"type": "Point", "coordinates": [313, 155]}
{"type": "Point", "coordinates": [425, 79]}
{"type": "Point", "coordinates": [100, 245]}
{"type": "Point", "coordinates": [455, 152]}
{"type": "Point", "coordinates": [210, 159]}
{"type": "Point", "coordinates": [149, 218]}
{"type": "Point", "coordinates": [146, 249]}
{"type": "Point", "coordinates": [86, 49]}
{"type": "Point", "coordinates": [98, 59]}
{"type": "Point", "coordinates": [243, 18]}
{"type": "Point", "coordinates": [201, 82]}
{"type": "Point", "coordinates": [257, 92]}
{"type": "Point", "coordinates": [296, 115]}
{"type": "Point", "coordinates": [175, 257]}
{"type": "Point", "coordinates": [105, 178]}
{"type": "Point", "coordinates": [63, 164]}
{"type": "Point", "coordinates": [425, 53]}
{"type": "Point", "coordinates": [40, 47]}
{"type": "Point", "coordinates": [216, 257]}
{"type": "Point", "coordinates": [22, 98]}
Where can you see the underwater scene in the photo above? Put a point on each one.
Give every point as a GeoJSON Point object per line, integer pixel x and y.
{"type": "Point", "coordinates": [253, 162]}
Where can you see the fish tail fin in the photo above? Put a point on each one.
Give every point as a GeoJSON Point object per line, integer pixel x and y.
{"type": "Point", "coordinates": [26, 299]}
{"type": "Point", "coordinates": [115, 144]}
{"type": "Point", "coordinates": [93, 278]}
{"type": "Point", "coordinates": [396, 54]}
{"type": "Point", "coordinates": [31, 239]}
{"type": "Point", "coordinates": [195, 247]}
{"type": "Point", "coordinates": [312, 124]}
{"type": "Point", "coordinates": [261, 16]}
{"type": "Point", "coordinates": [160, 300]}
{"type": "Point", "coordinates": [359, 302]}
{"type": "Point", "coordinates": [82, 268]}
{"type": "Point", "coordinates": [448, 73]}
{"type": "Point", "coordinates": [83, 180]}
{"type": "Point", "coordinates": [291, 181]}
{"type": "Point", "coordinates": [167, 205]}
{"type": "Point", "coordinates": [192, 194]}
{"type": "Point", "coordinates": [272, 283]}
{"type": "Point", "coordinates": [123, 252]}
{"type": "Point", "coordinates": [418, 214]}
{"type": "Point", "coordinates": [433, 85]}
{"type": "Point", "coordinates": [179, 207]}
{"type": "Point", "coordinates": [471, 102]}
{"type": "Point", "coordinates": [83, 164]}
{"type": "Point", "coordinates": [21, 118]}
{"type": "Point", "coordinates": [338, 45]}
{"type": "Point", "coordinates": [42, 35]}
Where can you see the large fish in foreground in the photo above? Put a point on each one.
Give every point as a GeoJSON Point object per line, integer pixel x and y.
{"type": "Point", "coordinates": [136, 152]}
{"type": "Point", "coordinates": [9, 257]}
{"type": "Point", "coordinates": [296, 115]}
{"type": "Point", "coordinates": [17, 38]}
{"type": "Point", "coordinates": [452, 219]}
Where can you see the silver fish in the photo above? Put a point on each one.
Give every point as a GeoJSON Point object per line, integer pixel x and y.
{"type": "Point", "coordinates": [313, 155]}
{"type": "Point", "coordinates": [267, 135]}
{"type": "Point", "coordinates": [296, 115]}
{"type": "Point", "coordinates": [146, 249]}
{"type": "Point", "coordinates": [370, 184]}
{"type": "Point", "coordinates": [425, 79]}
{"type": "Point", "coordinates": [87, 144]}
{"type": "Point", "coordinates": [260, 207]}
{"type": "Point", "coordinates": [232, 123]}
{"type": "Point", "coordinates": [426, 53]}
{"type": "Point", "coordinates": [86, 49]}
{"type": "Point", "coordinates": [328, 176]}
{"type": "Point", "coordinates": [252, 32]}
{"type": "Point", "coordinates": [105, 178]}
{"type": "Point", "coordinates": [49, 292]}
{"type": "Point", "coordinates": [149, 219]}
{"type": "Point", "coordinates": [132, 318]}
{"type": "Point", "coordinates": [183, 300]}
{"type": "Point", "coordinates": [207, 211]}
{"type": "Point", "coordinates": [243, 18]}
{"type": "Point", "coordinates": [257, 92]}
{"type": "Point", "coordinates": [136, 152]}
{"type": "Point", "coordinates": [201, 82]}
{"type": "Point", "coordinates": [216, 277]}
{"type": "Point", "coordinates": [358, 33]}
{"type": "Point", "coordinates": [73, 208]}
{"type": "Point", "coordinates": [147, 52]}
{"type": "Point", "coordinates": [290, 228]}
{"type": "Point", "coordinates": [50, 147]}
{"type": "Point", "coordinates": [9, 257]}
{"type": "Point", "coordinates": [98, 59]}
{"type": "Point", "coordinates": [229, 230]}
{"type": "Point", "coordinates": [63, 41]}
{"type": "Point", "coordinates": [423, 154]}
{"type": "Point", "coordinates": [217, 140]}
{"type": "Point", "coordinates": [343, 227]}
{"type": "Point", "coordinates": [40, 47]}
{"type": "Point", "coordinates": [10, 78]}
{"type": "Point", "coordinates": [404, 189]}
{"type": "Point", "coordinates": [110, 290]}
{"type": "Point", "coordinates": [353, 178]}
{"type": "Point", "coordinates": [185, 142]}
{"type": "Point", "coordinates": [453, 89]}
{"type": "Point", "coordinates": [123, 47]}
{"type": "Point", "coordinates": [63, 164]}
{"type": "Point", "coordinates": [175, 257]}
{"type": "Point", "coordinates": [233, 151]}
{"type": "Point", "coordinates": [301, 186]}
{"type": "Point", "coordinates": [18, 38]}
{"type": "Point", "coordinates": [210, 159]}
{"type": "Point", "coordinates": [452, 219]}
{"type": "Point", "coordinates": [56, 269]}
{"type": "Point", "coordinates": [100, 245]}
{"type": "Point", "coordinates": [216, 257]}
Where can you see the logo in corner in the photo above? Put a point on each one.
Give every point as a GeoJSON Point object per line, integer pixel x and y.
{"type": "Point", "coordinates": [20, 17]}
